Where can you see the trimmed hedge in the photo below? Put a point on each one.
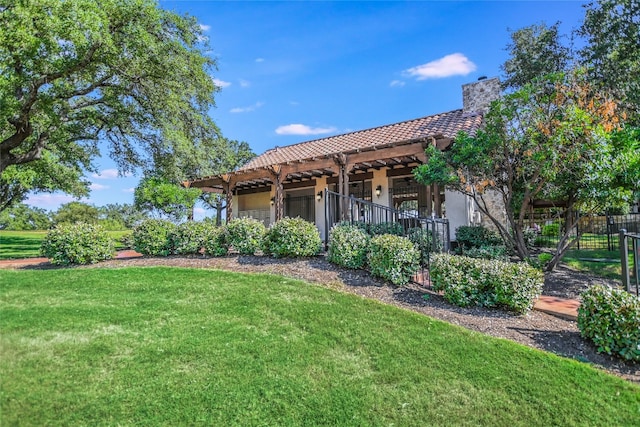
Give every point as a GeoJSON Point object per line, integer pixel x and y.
{"type": "Point", "coordinates": [498, 252]}
{"type": "Point", "coordinates": [475, 236]}
{"type": "Point", "coordinates": [154, 237]}
{"type": "Point", "coordinates": [486, 283]}
{"type": "Point", "coordinates": [188, 238]}
{"type": "Point", "coordinates": [611, 319]}
{"type": "Point", "coordinates": [423, 240]}
{"type": "Point", "coordinates": [348, 246]}
{"type": "Point", "coordinates": [393, 258]}
{"type": "Point", "coordinates": [78, 243]}
{"type": "Point", "coordinates": [245, 235]}
{"type": "Point", "coordinates": [214, 240]}
{"type": "Point", "coordinates": [292, 237]}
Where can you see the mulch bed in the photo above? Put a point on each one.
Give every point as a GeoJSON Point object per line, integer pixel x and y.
{"type": "Point", "coordinates": [536, 329]}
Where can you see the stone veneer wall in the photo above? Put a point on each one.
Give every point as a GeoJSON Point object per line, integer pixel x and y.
{"type": "Point", "coordinates": [477, 96]}
{"type": "Point", "coordinates": [495, 204]}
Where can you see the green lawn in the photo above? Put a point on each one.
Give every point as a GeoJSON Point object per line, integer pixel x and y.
{"type": "Point", "coordinates": [168, 346]}
{"type": "Point", "coordinates": [26, 244]}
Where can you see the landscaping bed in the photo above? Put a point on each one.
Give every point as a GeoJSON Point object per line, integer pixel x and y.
{"type": "Point", "coordinates": [536, 329]}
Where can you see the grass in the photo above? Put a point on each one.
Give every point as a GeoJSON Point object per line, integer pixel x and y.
{"type": "Point", "coordinates": [26, 244]}
{"type": "Point", "coordinates": [169, 346]}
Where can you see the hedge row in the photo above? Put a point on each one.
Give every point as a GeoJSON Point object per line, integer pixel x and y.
{"type": "Point", "coordinates": [611, 319]}
{"type": "Point", "coordinates": [388, 256]}
{"type": "Point", "coordinates": [78, 243]}
{"type": "Point", "coordinates": [488, 283]}
{"type": "Point", "coordinates": [289, 237]}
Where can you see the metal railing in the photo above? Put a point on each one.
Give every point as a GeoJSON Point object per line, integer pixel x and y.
{"type": "Point", "coordinates": [263, 215]}
{"type": "Point", "coordinates": [630, 269]}
{"type": "Point", "coordinates": [379, 218]}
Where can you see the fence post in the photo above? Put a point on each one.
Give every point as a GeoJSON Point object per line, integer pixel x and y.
{"type": "Point", "coordinates": [624, 259]}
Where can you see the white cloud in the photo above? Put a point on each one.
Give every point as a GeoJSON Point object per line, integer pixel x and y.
{"type": "Point", "coordinates": [455, 64]}
{"type": "Point", "coordinates": [221, 83]}
{"type": "Point", "coordinates": [247, 109]}
{"type": "Point", "coordinates": [98, 187]}
{"type": "Point", "coordinates": [129, 190]}
{"type": "Point", "coordinates": [109, 174]}
{"type": "Point", "coordinates": [50, 201]}
{"type": "Point", "coordinates": [199, 211]}
{"type": "Point", "coordinates": [294, 103]}
{"type": "Point", "coordinates": [204, 27]}
{"type": "Point", "coordinates": [300, 129]}
{"type": "Point", "coordinates": [244, 83]}
{"type": "Point", "coordinates": [397, 83]}
{"type": "Point", "coordinates": [259, 59]}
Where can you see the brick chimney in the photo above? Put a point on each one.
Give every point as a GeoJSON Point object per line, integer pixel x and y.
{"type": "Point", "coordinates": [477, 96]}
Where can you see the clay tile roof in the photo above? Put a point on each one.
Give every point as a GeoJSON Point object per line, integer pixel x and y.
{"type": "Point", "coordinates": [446, 125]}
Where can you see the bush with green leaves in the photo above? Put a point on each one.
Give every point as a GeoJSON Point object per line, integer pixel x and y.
{"type": "Point", "coordinates": [475, 236]}
{"type": "Point", "coordinates": [154, 237]}
{"type": "Point", "coordinates": [498, 252]}
{"type": "Point", "coordinates": [393, 258]}
{"type": "Point", "coordinates": [348, 246]}
{"type": "Point", "coordinates": [394, 228]}
{"type": "Point", "coordinates": [245, 235]}
{"type": "Point", "coordinates": [551, 230]}
{"type": "Point", "coordinates": [292, 237]}
{"type": "Point", "coordinates": [78, 243]}
{"type": "Point", "coordinates": [423, 240]}
{"type": "Point", "coordinates": [214, 240]}
{"type": "Point", "coordinates": [487, 283]}
{"type": "Point", "coordinates": [611, 319]}
{"type": "Point", "coordinates": [188, 238]}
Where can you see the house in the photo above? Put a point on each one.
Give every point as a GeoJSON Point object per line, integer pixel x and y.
{"type": "Point", "coordinates": [371, 164]}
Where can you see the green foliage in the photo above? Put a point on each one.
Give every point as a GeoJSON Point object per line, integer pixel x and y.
{"type": "Point", "coordinates": [172, 200]}
{"type": "Point", "coordinates": [188, 238]}
{"type": "Point", "coordinates": [348, 246]}
{"type": "Point", "coordinates": [423, 240]}
{"type": "Point", "coordinates": [498, 252]}
{"type": "Point", "coordinates": [126, 73]}
{"type": "Point", "coordinates": [24, 217]}
{"type": "Point", "coordinates": [611, 319]}
{"type": "Point", "coordinates": [77, 243]}
{"type": "Point", "coordinates": [467, 281]}
{"type": "Point", "coordinates": [214, 240]}
{"type": "Point", "coordinates": [73, 212]}
{"type": "Point", "coordinates": [551, 230]}
{"type": "Point", "coordinates": [534, 51]}
{"type": "Point", "coordinates": [393, 258]}
{"type": "Point", "coordinates": [154, 237]}
{"type": "Point", "coordinates": [126, 214]}
{"type": "Point", "coordinates": [476, 236]}
{"type": "Point", "coordinates": [245, 235]}
{"type": "Point", "coordinates": [292, 237]}
{"type": "Point", "coordinates": [394, 228]}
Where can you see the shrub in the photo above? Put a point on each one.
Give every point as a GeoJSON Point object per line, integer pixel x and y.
{"type": "Point", "coordinates": [552, 230]}
{"type": "Point", "coordinates": [393, 258]}
{"type": "Point", "coordinates": [611, 319]}
{"type": "Point", "coordinates": [153, 237]}
{"type": "Point", "coordinates": [348, 246]}
{"type": "Point", "coordinates": [394, 228]}
{"type": "Point", "coordinates": [498, 252]}
{"type": "Point", "coordinates": [486, 283]}
{"type": "Point", "coordinates": [78, 243]}
{"type": "Point", "coordinates": [475, 236]}
{"type": "Point", "coordinates": [188, 238]}
{"type": "Point", "coordinates": [214, 240]}
{"type": "Point", "coordinates": [423, 240]}
{"type": "Point", "coordinates": [245, 235]}
{"type": "Point", "coordinates": [292, 237]}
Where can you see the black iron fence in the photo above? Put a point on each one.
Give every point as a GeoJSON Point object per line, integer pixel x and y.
{"type": "Point", "coordinates": [595, 232]}
{"type": "Point", "coordinates": [630, 243]}
{"type": "Point", "coordinates": [339, 209]}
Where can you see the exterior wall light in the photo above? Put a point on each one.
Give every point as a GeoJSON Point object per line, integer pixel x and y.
{"type": "Point", "coordinates": [273, 201]}
{"type": "Point", "coordinates": [378, 190]}
{"type": "Point", "coordinates": [319, 196]}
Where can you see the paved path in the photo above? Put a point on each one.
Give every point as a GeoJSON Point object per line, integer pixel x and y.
{"type": "Point", "coordinates": [565, 308]}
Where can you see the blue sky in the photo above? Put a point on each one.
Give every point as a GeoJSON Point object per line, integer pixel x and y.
{"type": "Point", "coordinates": [295, 71]}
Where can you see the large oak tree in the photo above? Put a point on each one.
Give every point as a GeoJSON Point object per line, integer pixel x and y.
{"type": "Point", "coordinates": [83, 78]}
